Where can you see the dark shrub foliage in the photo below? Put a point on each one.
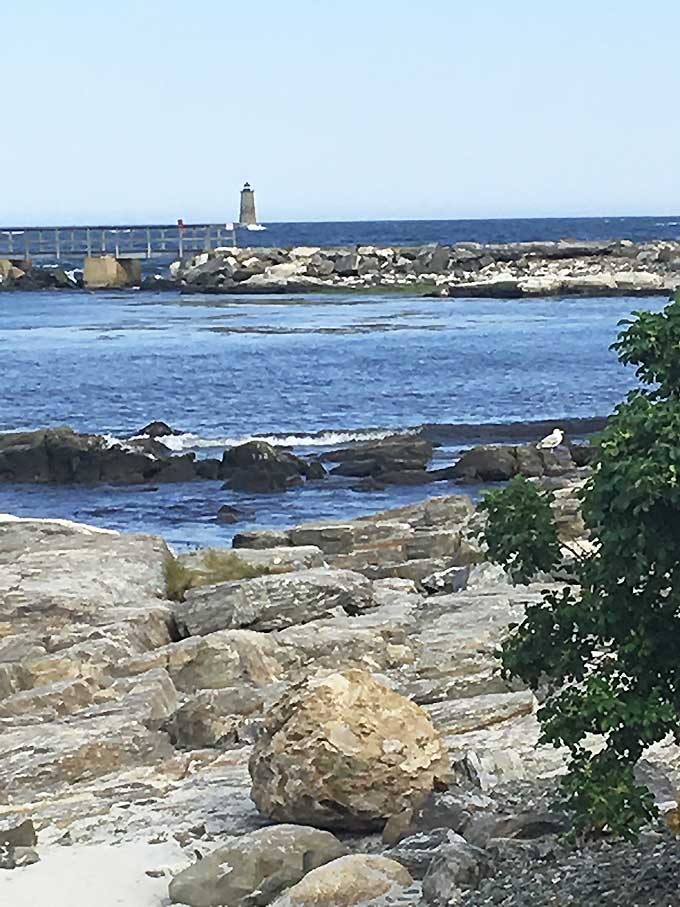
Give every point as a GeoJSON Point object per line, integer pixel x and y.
{"type": "Point", "coordinates": [520, 532]}
{"type": "Point", "coordinates": [608, 648]}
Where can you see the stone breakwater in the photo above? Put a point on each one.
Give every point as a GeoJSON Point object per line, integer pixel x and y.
{"type": "Point", "coordinates": [465, 269]}
{"type": "Point", "coordinates": [512, 270]}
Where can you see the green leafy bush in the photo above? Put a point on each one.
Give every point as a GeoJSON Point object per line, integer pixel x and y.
{"type": "Point", "coordinates": [520, 531]}
{"type": "Point", "coordinates": [608, 648]}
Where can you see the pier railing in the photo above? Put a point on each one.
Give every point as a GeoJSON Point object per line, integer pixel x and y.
{"type": "Point", "coordinates": [153, 241]}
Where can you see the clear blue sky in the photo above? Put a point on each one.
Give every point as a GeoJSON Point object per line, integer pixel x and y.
{"type": "Point", "coordinates": [148, 110]}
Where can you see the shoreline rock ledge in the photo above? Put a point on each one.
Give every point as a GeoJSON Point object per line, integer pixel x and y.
{"type": "Point", "coordinates": [140, 746]}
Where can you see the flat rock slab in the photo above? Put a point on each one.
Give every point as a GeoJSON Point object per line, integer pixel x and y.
{"type": "Point", "coordinates": [38, 759]}
{"type": "Point", "coordinates": [274, 602]}
{"type": "Point", "coordinates": [56, 563]}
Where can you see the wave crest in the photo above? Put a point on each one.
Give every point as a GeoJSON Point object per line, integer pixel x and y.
{"type": "Point", "coordinates": [331, 438]}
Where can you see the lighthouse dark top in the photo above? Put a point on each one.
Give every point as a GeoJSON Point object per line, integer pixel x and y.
{"type": "Point", "coordinates": [247, 215]}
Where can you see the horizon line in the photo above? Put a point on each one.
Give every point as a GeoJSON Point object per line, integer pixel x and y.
{"type": "Point", "coordinates": [386, 220]}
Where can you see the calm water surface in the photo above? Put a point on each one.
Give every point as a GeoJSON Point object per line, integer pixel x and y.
{"type": "Point", "coordinates": [224, 369]}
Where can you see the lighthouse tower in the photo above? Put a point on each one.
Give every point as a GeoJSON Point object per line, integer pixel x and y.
{"type": "Point", "coordinates": [247, 216]}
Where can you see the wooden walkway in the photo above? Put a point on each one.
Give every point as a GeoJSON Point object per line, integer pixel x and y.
{"type": "Point", "coordinates": [154, 241]}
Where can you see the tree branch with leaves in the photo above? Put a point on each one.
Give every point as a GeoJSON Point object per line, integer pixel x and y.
{"type": "Point", "coordinates": [607, 648]}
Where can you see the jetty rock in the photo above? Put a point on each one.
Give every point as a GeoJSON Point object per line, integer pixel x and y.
{"type": "Point", "coordinates": [511, 270]}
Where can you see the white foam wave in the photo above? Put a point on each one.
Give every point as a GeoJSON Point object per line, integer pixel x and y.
{"type": "Point", "coordinates": [190, 441]}
{"type": "Point", "coordinates": [111, 442]}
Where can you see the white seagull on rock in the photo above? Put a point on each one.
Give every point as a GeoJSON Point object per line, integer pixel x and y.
{"type": "Point", "coordinates": [551, 441]}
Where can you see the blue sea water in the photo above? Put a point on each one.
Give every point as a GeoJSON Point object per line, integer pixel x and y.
{"type": "Point", "coordinates": [221, 369]}
{"type": "Point", "coordinates": [447, 232]}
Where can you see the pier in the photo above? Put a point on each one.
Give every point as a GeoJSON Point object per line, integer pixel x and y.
{"type": "Point", "coordinates": [111, 255]}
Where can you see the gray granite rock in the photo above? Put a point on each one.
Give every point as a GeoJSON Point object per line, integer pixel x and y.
{"type": "Point", "coordinates": [255, 867]}
{"type": "Point", "coordinates": [456, 866]}
{"type": "Point", "coordinates": [274, 602]}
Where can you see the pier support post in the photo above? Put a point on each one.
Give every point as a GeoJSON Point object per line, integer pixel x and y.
{"type": "Point", "coordinates": [104, 272]}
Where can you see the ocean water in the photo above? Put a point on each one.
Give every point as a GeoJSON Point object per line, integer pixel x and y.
{"type": "Point", "coordinates": [308, 372]}
{"type": "Point", "coordinates": [447, 232]}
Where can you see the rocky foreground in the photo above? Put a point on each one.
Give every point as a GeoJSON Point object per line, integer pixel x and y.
{"type": "Point", "coordinates": [329, 730]}
{"type": "Point", "coordinates": [512, 270]}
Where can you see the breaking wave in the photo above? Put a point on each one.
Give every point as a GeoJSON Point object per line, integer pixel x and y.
{"type": "Point", "coordinates": [111, 442]}
{"type": "Point", "coordinates": [191, 441]}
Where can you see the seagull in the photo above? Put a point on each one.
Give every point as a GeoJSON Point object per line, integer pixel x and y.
{"type": "Point", "coordinates": [554, 439]}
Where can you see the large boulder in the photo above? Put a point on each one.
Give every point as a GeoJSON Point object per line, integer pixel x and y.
{"type": "Point", "coordinates": [344, 751]}
{"type": "Point", "coordinates": [358, 880]}
{"type": "Point", "coordinates": [265, 861]}
{"type": "Point", "coordinates": [257, 466]}
{"type": "Point", "coordinates": [487, 463]}
{"type": "Point", "coordinates": [228, 659]}
{"type": "Point", "coordinates": [74, 600]}
{"type": "Point", "coordinates": [583, 454]}
{"type": "Point", "coordinates": [433, 260]}
{"type": "Point", "coordinates": [35, 759]}
{"type": "Point", "coordinates": [259, 539]}
{"type": "Point", "coordinates": [416, 852]}
{"type": "Point", "coordinates": [502, 285]}
{"type": "Point", "coordinates": [567, 511]}
{"type": "Point", "coordinates": [215, 272]}
{"type": "Point", "coordinates": [272, 602]}
{"type": "Point", "coordinates": [346, 265]}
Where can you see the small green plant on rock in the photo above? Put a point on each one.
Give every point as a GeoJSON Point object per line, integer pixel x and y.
{"type": "Point", "coordinates": [178, 579]}
{"type": "Point", "coordinates": [607, 648]}
{"type": "Point", "coordinates": [215, 567]}
{"type": "Point", "coordinates": [520, 531]}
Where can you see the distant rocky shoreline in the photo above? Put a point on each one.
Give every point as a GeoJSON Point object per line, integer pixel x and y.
{"type": "Point", "coordinates": [466, 270]}
{"type": "Point", "coordinates": [63, 456]}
